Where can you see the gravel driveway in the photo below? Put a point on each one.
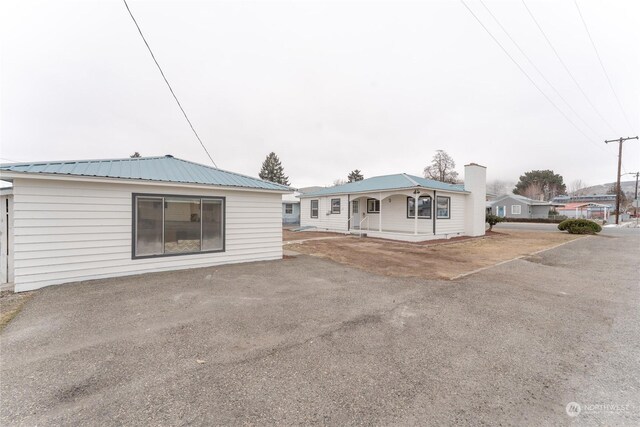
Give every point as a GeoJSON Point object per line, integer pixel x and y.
{"type": "Point", "coordinates": [306, 340]}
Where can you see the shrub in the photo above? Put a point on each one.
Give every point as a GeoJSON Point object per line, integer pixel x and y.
{"type": "Point", "coordinates": [579, 226]}
{"type": "Point", "coordinates": [493, 220]}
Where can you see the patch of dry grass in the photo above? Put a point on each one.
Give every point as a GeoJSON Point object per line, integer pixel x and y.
{"type": "Point", "coordinates": [10, 305]}
{"type": "Point", "coordinates": [435, 261]}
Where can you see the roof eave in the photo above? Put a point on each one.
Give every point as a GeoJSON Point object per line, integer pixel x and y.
{"type": "Point", "coordinates": [310, 195]}
{"type": "Point", "coordinates": [11, 175]}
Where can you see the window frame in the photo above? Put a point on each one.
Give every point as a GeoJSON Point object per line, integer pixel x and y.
{"type": "Point", "coordinates": [339, 206]}
{"type": "Point", "coordinates": [288, 207]}
{"type": "Point", "coordinates": [355, 206]}
{"type": "Point", "coordinates": [162, 196]}
{"type": "Point", "coordinates": [448, 207]}
{"type": "Point", "coordinates": [374, 204]}
{"type": "Point", "coordinates": [519, 210]}
{"type": "Point", "coordinates": [317, 208]}
{"type": "Point", "coordinates": [420, 217]}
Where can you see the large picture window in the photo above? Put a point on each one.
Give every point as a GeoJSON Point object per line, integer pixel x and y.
{"type": "Point", "coordinates": [424, 207]}
{"type": "Point", "coordinates": [443, 207]}
{"type": "Point", "coordinates": [172, 225]}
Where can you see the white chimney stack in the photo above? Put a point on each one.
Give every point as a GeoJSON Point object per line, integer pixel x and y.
{"type": "Point", "coordinates": [475, 182]}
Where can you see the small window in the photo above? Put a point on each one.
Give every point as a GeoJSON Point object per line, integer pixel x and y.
{"type": "Point", "coordinates": [443, 207]}
{"type": "Point", "coordinates": [516, 209]}
{"type": "Point", "coordinates": [314, 209]}
{"type": "Point", "coordinates": [335, 206]}
{"type": "Point", "coordinates": [424, 207]}
{"type": "Point", "coordinates": [373, 206]}
{"type": "Point", "coordinates": [356, 206]}
{"type": "Point", "coordinates": [288, 208]}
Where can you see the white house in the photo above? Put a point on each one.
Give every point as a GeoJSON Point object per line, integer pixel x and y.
{"type": "Point", "coordinates": [385, 206]}
{"type": "Point", "coordinates": [78, 220]}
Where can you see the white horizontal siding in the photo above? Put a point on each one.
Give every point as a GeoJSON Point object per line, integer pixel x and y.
{"type": "Point", "coordinates": [336, 222]}
{"type": "Point", "coordinates": [455, 223]}
{"type": "Point", "coordinates": [70, 230]}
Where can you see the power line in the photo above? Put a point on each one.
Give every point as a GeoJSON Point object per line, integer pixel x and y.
{"type": "Point", "coordinates": [168, 85]}
{"type": "Point", "coordinates": [602, 65]}
{"type": "Point", "coordinates": [529, 77]}
{"type": "Point", "coordinates": [517, 45]}
{"type": "Point", "coordinates": [567, 68]}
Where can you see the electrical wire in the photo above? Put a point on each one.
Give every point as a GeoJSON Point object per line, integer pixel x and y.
{"type": "Point", "coordinates": [531, 79]}
{"type": "Point", "coordinates": [517, 45]}
{"type": "Point", "coordinates": [168, 85]}
{"type": "Point", "coordinates": [603, 68]}
{"type": "Point", "coordinates": [564, 65]}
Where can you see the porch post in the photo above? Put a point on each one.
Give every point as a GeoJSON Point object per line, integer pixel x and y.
{"type": "Point", "coordinates": [380, 213]}
{"type": "Point", "coordinates": [415, 214]}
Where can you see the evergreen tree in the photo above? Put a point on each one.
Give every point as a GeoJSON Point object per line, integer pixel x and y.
{"type": "Point", "coordinates": [543, 182]}
{"type": "Point", "coordinates": [355, 175]}
{"type": "Point", "coordinates": [273, 171]}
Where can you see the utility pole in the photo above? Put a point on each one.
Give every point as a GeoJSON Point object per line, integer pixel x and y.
{"type": "Point", "coordinates": [618, 188]}
{"type": "Point", "coordinates": [635, 198]}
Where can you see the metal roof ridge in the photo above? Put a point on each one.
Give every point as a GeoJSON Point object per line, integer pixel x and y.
{"type": "Point", "coordinates": [229, 172]}
{"type": "Point", "coordinates": [53, 162]}
{"type": "Point", "coordinates": [410, 179]}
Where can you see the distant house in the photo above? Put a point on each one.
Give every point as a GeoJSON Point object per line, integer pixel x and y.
{"type": "Point", "coordinates": [291, 209]}
{"type": "Point", "coordinates": [400, 207]}
{"type": "Point", "coordinates": [586, 210]}
{"type": "Point", "coordinates": [78, 220]}
{"type": "Point", "coordinates": [606, 199]}
{"type": "Point", "coordinates": [516, 206]}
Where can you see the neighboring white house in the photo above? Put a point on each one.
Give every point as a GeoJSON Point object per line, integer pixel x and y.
{"type": "Point", "coordinates": [90, 219]}
{"type": "Point", "coordinates": [385, 206]}
{"type": "Point", "coordinates": [291, 208]}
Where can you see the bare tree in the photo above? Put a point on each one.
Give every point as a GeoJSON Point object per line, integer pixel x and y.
{"type": "Point", "coordinates": [576, 188]}
{"type": "Point", "coordinates": [339, 181]}
{"type": "Point", "coordinates": [533, 191]}
{"type": "Point", "coordinates": [442, 168]}
{"type": "Point", "coordinates": [498, 187]}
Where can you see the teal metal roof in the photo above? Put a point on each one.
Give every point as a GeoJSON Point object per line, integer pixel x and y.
{"type": "Point", "coordinates": [385, 183]}
{"type": "Point", "coordinates": [164, 169]}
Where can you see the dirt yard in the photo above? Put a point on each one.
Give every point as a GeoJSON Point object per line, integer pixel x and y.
{"type": "Point", "coordinates": [11, 304]}
{"type": "Point", "coordinates": [442, 260]}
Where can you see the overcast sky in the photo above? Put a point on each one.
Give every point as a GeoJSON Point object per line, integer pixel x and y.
{"type": "Point", "coordinates": [330, 86]}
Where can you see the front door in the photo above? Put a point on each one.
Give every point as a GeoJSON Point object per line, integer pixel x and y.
{"type": "Point", "coordinates": [355, 214]}
{"type": "Point", "coordinates": [502, 211]}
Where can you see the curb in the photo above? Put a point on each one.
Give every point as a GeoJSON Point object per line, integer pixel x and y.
{"type": "Point", "coordinates": [459, 276]}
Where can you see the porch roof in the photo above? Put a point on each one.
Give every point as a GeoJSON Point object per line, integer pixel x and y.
{"type": "Point", "coordinates": [400, 181]}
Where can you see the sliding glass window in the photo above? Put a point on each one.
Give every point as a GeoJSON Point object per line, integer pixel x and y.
{"type": "Point", "coordinates": [172, 225]}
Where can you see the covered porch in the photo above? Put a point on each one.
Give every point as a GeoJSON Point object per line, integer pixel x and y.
{"type": "Point", "coordinates": [393, 215]}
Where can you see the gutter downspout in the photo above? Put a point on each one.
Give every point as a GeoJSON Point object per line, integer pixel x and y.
{"type": "Point", "coordinates": [349, 214]}
{"type": "Point", "coordinates": [415, 212]}
{"type": "Point", "coordinates": [380, 213]}
{"type": "Point", "coordinates": [434, 211]}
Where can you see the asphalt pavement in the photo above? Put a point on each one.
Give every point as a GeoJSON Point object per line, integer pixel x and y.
{"type": "Point", "coordinates": [309, 341]}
